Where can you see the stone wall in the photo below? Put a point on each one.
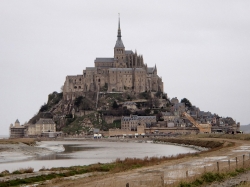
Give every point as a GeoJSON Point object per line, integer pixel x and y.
{"type": "Point", "coordinates": [181, 130]}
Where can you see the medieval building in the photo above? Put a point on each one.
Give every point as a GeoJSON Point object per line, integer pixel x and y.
{"type": "Point", "coordinates": [125, 72]}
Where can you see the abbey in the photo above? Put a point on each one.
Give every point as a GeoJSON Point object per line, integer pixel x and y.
{"type": "Point", "coordinates": [125, 72]}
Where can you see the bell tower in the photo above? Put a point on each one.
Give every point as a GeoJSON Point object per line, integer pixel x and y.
{"type": "Point", "coordinates": [119, 50]}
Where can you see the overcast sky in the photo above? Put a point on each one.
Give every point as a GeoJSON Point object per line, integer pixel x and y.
{"type": "Point", "coordinates": [201, 49]}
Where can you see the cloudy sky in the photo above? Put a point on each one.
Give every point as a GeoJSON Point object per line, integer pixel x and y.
{"type": "Point", "coordinates": [201, 49]}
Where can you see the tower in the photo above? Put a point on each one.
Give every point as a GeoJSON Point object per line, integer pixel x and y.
{"type": "Point", "coordinates": [119, 50]}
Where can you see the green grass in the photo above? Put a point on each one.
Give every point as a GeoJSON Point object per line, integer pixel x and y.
{"type": "Point", "coordinates": [227, 136]}
{"type": "Point", "coordinates": [210, 177]}
{"type": "Point", "coordinates": [201, 143]}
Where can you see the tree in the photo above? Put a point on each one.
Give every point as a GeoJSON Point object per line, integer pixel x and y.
{"type": "Point", "coordinates": [115, 105]}
{"type": "Point", "coordinates": [78, 101]}
{"type": "Point", "coordinates": [186, 102]}
{"type": "Point", "coordinates": [158, 94]}
{"type": "Point", "coordinates": [44, 108]}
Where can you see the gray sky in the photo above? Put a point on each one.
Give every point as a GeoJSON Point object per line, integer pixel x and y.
{"type": "Point", "coordinates": [201, 49]}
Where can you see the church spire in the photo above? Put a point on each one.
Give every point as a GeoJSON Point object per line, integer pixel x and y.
{"type": "Point", "coordinates": [119, 43]}
{"type": "Point", "coordinates": [119, 35]}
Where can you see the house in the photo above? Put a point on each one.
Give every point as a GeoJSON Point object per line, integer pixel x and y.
{"type": "Point", "coordinates": [130, 105]}
{"type": "Point", "coordinates": [41, 126]}
{"type": "Point", "coordinates": [131, 122]}
{"type": "Point", "coordinates": [17, 130]}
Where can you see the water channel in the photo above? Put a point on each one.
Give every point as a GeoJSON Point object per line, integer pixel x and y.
{"type": "Point", "coordinates": [89, 152]}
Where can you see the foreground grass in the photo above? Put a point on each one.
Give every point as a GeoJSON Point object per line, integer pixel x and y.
{"type": "Point", "coordinates": [225, 136]}
{"type": "Point", "coordinates": [27, 141]}
{"type": "Point", "coordinates": [201, 143]}
{"type": "Point", "coordinates": [210, 177]}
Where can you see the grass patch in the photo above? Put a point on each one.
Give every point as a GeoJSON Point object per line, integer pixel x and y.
{"type": "Point", "coordinates": [225, 136]}
{"type": "Point", "coordinates": [210, 177]}
{"type": "Point", "coordinates": [27, 141]}
{"type": "Point", "coordinates": [201, 143]}
{"type": "Point", "coordinates": [24, 170]}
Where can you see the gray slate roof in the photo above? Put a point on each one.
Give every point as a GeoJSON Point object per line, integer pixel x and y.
{"type": "Point", "coordinates": [167, 114]}
{"type": "Point", "coordinates": [119, 43]}
{"type": "Point", "coordinates": [45, 121]}
{"type": "Point", "coordinates": [129, 52]}
{"type": "Point", "coordinates": [104, 60]}
{"type": "Point", "coordinates": [150, 70]}
{"type": "Point", "coordinates": [126, 69]}
{"type": "Point", "coordinates": [17, 121]}
{"type": "Point", "coordinates": [91, 68]}
{"type": "Point", "coordinates": [134, 117]}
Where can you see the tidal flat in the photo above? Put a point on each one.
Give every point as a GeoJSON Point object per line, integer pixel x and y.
{"type": "Point", "coordinates": [72, 153]}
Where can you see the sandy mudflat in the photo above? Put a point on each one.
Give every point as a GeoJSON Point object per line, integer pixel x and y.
{"type": "Point", "coordinates": [17, 152]}
{"type": "Point", "coordinates": [169, 171]}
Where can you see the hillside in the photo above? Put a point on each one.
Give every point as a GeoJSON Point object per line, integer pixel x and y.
{"type": "Point", "coordinates": [88, 112]}
{"type": "Point", "coordinates": [80, 115]}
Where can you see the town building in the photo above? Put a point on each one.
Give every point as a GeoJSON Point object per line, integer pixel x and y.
{"type": "Point", "coordinates": [17, 130]}
{"type": "Point", "coordinates": [126, 71]}
{"type": "Point", "coordinates": [131, 122]}
{"type": "Point", "coordinates": [41, 126]}
{"type": "Point", "coordinates": [130, 105]}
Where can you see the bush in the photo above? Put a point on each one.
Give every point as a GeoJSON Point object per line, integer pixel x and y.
{"type": "Point", "coordinates": [23, 170]}
{"type": "Point", "coordinates": [115, 105]}
{"type": "Point", "coordinates": [145, 95]}
{"type": "Point", "coordinates": [44, 108]}
{"type": "Point", "coordinates": [16, 172]}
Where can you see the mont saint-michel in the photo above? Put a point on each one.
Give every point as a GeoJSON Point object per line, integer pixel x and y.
{"type": "Point", "coordinates": [114, 111]}
{"type": "Point", "coordinates": [120, 96]}
{"type": "Point", "coordinates": [124, 72]}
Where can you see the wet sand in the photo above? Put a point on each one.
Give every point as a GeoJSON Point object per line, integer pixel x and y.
{"type": "Point", "coordinates": [18, 152]}
{"type": "Point", "coordinates": [83, 153]}
{"type": "Point", "coordinates": [166, 172]}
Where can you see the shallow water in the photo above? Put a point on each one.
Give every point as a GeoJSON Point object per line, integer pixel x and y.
{"type": "Point", "coordinates": [90, 152]}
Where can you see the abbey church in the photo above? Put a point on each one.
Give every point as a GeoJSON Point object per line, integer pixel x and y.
{"type": "Point", "coordinates": [125, 72]}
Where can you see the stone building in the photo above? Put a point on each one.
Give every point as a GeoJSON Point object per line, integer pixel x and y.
{"type": "Point", "coordinates": [124, 72]}
{"type": "Point", "coordinates": [130, 105]}
{"type": "Point", "coordinates": [17, 130]}
{"type": "Point", "coordinates": [41, 126]}
{"type": "Point", "coordinates": [168, 116]}
{"type": "Point", "coordinates": [131, 122]}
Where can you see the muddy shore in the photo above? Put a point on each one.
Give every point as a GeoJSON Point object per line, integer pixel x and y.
{"type": "Point", "coordinates": [169, 171]}
{"type": "Point", "coordinates": [20, 151]}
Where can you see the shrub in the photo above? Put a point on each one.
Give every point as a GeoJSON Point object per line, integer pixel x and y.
{"type": "Point", "coordinates": [16, 172]}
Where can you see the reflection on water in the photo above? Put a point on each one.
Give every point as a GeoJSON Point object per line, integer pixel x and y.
{"type": "Point", "coordinates": [74, 147]}
{"type": "Point", "coordinates": [69, 148]}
